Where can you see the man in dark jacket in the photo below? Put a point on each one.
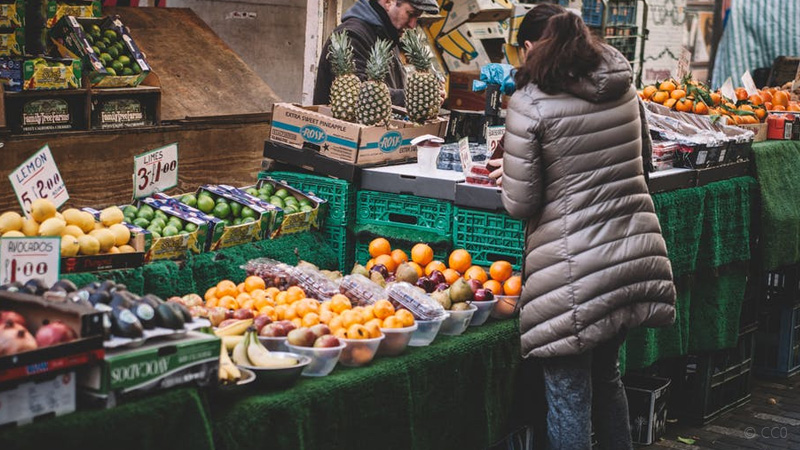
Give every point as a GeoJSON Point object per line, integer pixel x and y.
{"type": "Point", "coordinates": [365, 22]}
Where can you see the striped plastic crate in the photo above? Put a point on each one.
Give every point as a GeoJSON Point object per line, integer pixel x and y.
{"type": "Point", "coordinates": [340, 194]}
{"type": "Point", "coordinates": [489, 237]}
{"type": "Point", "coordinates": [405, 211]}
{"type": "Point", "coordinates": [341, 240]}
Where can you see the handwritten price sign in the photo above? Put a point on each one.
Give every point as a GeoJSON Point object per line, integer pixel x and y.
{"type": "Point", "coordinates": [38, 177]}
{"type": "Point", "coordinates": [155, 171]}
{"type": "Point", "coordinates": [22, 259]}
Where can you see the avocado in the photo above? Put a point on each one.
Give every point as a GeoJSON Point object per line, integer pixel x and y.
{"type": "Point", "coordinates": [101, 297]}
{"type": "Point", "coordinates": [67, 285]}
{"type": "Point", "coordinates": [120, 300]}
{"type": "Point", "coordinates": [125, 324]}
{"type": "Point", "coordinates": [167, 317]}
{"type": "Point", "coordinates": [145, 313]}
{"type": "Point", "coordinates": [36, 286]}
{"type": "Point", "coordinates": [181, 309]}
{"type": "Point", "coordinates": [150, 300]}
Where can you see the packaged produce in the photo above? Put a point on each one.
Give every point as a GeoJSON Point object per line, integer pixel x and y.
{"type": "Point", "coordinates": [174, 233]}
{"type": "Point", "coordinates": [12, 14]}
{"type": "Point", "coordinates": [314, 283]}
{"type": "Point", "coordinates": [422, 306]}
{"type": "Point", "coordinates": [275, 274]}
{"type": "Point", "coordinates": [56, 9]}
{"type": "Point", "coordinates": [361, 290]}
{"type": "Point", "coordinates": [301, 211]}
{"type": "Point", "coordinates": [12, 42]}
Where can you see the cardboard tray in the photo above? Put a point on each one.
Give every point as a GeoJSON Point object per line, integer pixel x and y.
{"type": "Point", "coordinates": [312, 161]}
{"type": "Point", "coordinates": [672, 179]}
{"type": "Point", "coordinates": [140, 240]}
{"type": "Point", "coordinates": [488, 198]}
{"type": "Point", "coordinates": [87, 349]}
{"type": "Point", "coordinates": [407, 179]}
{"type": "Point", "coordinates": [296, 222]}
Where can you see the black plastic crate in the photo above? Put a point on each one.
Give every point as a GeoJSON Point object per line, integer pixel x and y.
{"type": "Point", "coordinates": [647, 407]}
{"type": "Point", "coordinates": [778, 342]}
{"type": "Point", "coordinates": [781, 286]}
{"type": "Point", "coordinates": [717, 382]}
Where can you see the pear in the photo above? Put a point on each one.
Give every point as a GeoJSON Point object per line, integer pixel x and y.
{"type": "Point", "coordinates": [443, 298]}
{"type": "Point", "coordinates": [460, 291]}
{"type": "Point", "coordinates": [377, 278]}
{"type": "Point", "coordinates": [359, 269]}
{"type": "Point", "coordinates": [463, 306]}
{"type": "Point", "coordinates": [406, 273]}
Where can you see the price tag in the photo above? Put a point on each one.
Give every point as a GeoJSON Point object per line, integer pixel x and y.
{"type": "Point", "coordinates": [464, 154]}
{"type": "Point", "coordinates": [493, 137]}
{"type": "Point", "coordinates": [727, 90]}
{"type": "Point", "coordinates": [749, 84]}
{"type": "Point", "coordinates": [683, 63]}
{"type": "Point", "coordinates": [796, 82]}
{"type": "Point", "coordinates": [22, 259]}
{"type": "Point", "coordinates": [38, 177]}
{"type": "Point", "coordinates": [155, 171]}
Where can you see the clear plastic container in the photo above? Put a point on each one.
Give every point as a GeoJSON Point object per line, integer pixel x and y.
{"type": "Point", "coordinates": [426, 331]}
{"type": "Point", "coordinates": [396, 340]}
{"type": "Point", "coordinates": [314, 283]}
{"type": "Point", "coordinates": [361, 290]}
{"type": "Point", "coordinates": [506, 307]}
{"type": "Point", "coordinates": [274, 344]}
{"type": "Point", "coordinates": [323, 359]}
{"type": "Point", "coordinates": [458, 321]}
{"type": "Point", "coordinates": [421, 305]}
{"type": "Point", "coordinates": [359, 352]}
{"type": "Point", "coordinates": [275, 273]}
{"type": "Point", "coordinates": [484, 309]}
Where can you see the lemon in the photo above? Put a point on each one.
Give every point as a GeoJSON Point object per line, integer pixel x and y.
{"type": "Point", "coordinates": [89, 245]}
{"type": "Point", "coordinates": [72, 230]}
{"type": "Point", "coordinates": [42, 209]}
{"type": "Point", "coordinates": [30, 227]}
{"type": "Point", "coordinates": [126, 249]}
{"type": "Point", "coordinates": [98, 226]}
{"type": "Point", "coordinates": [13, 233]}
{"type": "Point", "coordinates": [105, 238]}
{"type": "Point", "coordinates": [10, 221]}
{"type": "Point", "coordinates": [85, 221]}
{"type": "Point", "coordinates": [111, 215]}
{"type": "Point", "coordinates": [121, 234]}
{"type": "Point", "coordinates": [69, 245]}
{"type": "Point", "coordinates": [52, 227]}
{"type": "Point", "coordinates": [114, 249]}
{"type": "Point", "coordinates": [72, 216]}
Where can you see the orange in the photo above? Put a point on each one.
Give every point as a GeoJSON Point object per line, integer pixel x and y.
{"type": "Point", "coordinates": [212, 302]}
{"type": "Point", "coordinates": [648, 92]}
{"type": "Point", "coordinates": [494, 286]}
{"type": "Point", "coordinates": [325, 306]}
{"type": "Point", "coordinates": [269, 311]}
{"type": "Point", "coordinates": [477, 273]}
{"type": "Point", "coordinates": [670, 103]}
{"type": "Point", "coordinates": [311, 319]}
{"type": "Point", "coordinates": [368, 313]}
{"type": "Point", "coordinates": [383, 309]}
{"type": "Point", "coordinates": [374, 328]}
{"type": "Point", "coordinates": [340, 303]}
{"type": "Point", "coordinates": [305, 306]}
{"type": "Point", "coordinates": [262, 302]}
{"type": "Point", "coordinates": [392, 322]}
{"type": "Point", "coordinates": [291, 313]}
{"type": "Point", "coordinates": [418, 268]}
{"type": "Point", "coordinates": [716, 98]}
{"type": "Point", "coordinates": [660, 97]}
{"type": "Point", "coordinates": [667, 85]}
{"type": "Point", "coordinates": [240, 287]}
{"type": "Point", "coordinates": [335, 323]}
{"type": "Point", "coordinates": [357, 331]}
{"type": "Point", "coordinates": [272, 291]}
{"type": "Point", "coordinates": [741, 94]}
{"type": "Point", "coordinates": [297, 322]}
{"type": "Point", "coordinates": [756, 99]}
{"type": "Point", "coordinates": [326, 316]}
{"type": "Point", "coordinates": [460, 260]}
{"type": "Point", "coordinates": [379, 246]}
{"type": "Point", "coordinates": [226, 287]}
{"type": "Point", "coordinates": [435, 265]}
{"type": "Point", "coordinates": [387, 261]}
{"type": "Point", "coordinates": [700, 108]}
{"type": "Point", "coordinates": [780, 98]}
{"type": "Point", "coordinates": [350, 318]}
{"type": "Point", "coordinates": [422, 254]}
{"type": "Point", "coordinates": [677, 94]}
{"type": "Point", "coordinates": [258, 293]}
{"type": "Point", "coordinates": [513, 285]}
{"type": "Point", "coordinates": [248, 304]}
{"type": "Point", "coordinates": [405, 317]}
{"type": "Point", "coordinates": [280, 311]}
{"type": "Point", "coordinates": [282, 298]}
{"type": "Point", "coordinates": [228, 302]}
{"type": "Point", "coordinates": [779, 108]}
{"type": "Point", "coordinates": [210, 293]}
{"type": "Point", "coordinates": [451, 276]}
{"type": "Point", "coordinates": [500, 270]}
{"type": "Point", "coordinates": [243, 297]}
{"type": "Point", "coordinates": [761, 113]}
{"type": "Point", "coordinates": [684, 105]}
{"type": "Point", "coordinates": [399, 257]}
{"type": "Point", "coordinates": [766, 96]}
{"type": "Point", "coordinates": [294, 294]}
{"type": "Point", "coordinates": [370, 263]}
{"type": "Point", "coordinates": [793, 106]}
{"type": "Point", "coordinates": [340, 333]}
{"type": "Point", "coordinates": [253, 282]}
{"type": "Point", "coordinates": [768, 105]}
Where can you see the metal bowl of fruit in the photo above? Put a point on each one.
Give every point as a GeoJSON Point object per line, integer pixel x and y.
{"type": "Point", "coordinates": [240, 385]}
{"type": "Point", "coordinates": [283, 370]}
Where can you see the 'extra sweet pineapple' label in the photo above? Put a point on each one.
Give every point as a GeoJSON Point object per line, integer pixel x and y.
{"type": "Point", "coordinates": [121, 113]}
{"type": "Point", "coordinates": [12, 15]}
{"type": "Point", "coordinates": [46, 115]}
{"type": "Point", "coordinates": [12, 43]}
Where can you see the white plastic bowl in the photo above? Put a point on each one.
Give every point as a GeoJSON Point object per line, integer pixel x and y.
{"type": "Point", "coordinates": [458, 321]}
{"type": "Point", "coordinates": [274, 344]}
{"type": "Point", "coordinates": [397, 340]}
{"type": "Point", "coordinates": [359, 352]}
{"type": "Point", "coordinates": [426, 331]}
{"type": "Point", "coordinates": [484, 309]}
{"type": "Point", "coordinates": [507, 306]}
{"type": "Point", "coordinates": [323, 359]}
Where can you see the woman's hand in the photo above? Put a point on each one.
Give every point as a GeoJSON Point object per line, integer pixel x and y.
{"type": "Point", "coordinates": [497, 175]}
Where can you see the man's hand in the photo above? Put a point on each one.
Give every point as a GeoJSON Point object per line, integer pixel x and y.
{"type": "Point", "coordinates": [497, 175]}
{"type": "Point", "coordinates": [442, 92]}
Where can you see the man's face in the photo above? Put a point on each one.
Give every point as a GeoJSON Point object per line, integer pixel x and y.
{"type": "Point", "coordinates": [403, 16]}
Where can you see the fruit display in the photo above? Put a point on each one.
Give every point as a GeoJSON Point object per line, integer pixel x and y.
{"type": "Point", "coordinates": [281, 197]}
{"type": "Point", "coordinates": [250, 352]}
{"type": "Point", "coordinates": [110, 47]}
{"type": "Point", "coordinates": [374, 102]}
{"type": "Point", "coordinates": [229, 212]}
{"type": "Point", "coordinates": [346, 85]}
{"type": "Point", "coordinates": [423, 94]}
{"type": "Point", "coordinates": [157, 222]}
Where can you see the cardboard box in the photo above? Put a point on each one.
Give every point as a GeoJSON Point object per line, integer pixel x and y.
{"type": "Point", "coordinates": [647, 400]}
{"type": "Point", "coordinates": [46, 73]}
{"type": "Point", "coordinates": [283, 157]}
{"type": "Point", "coordinates": [306, 126]}
{"type": "Point", "coordinates": [157, 365]}
{"type": "Point", "coordinates": [46, 111]}
{"type": "Point", "coordinates": [473, 45]}
{"type": "Point", "coordinates": [125, 108]}
{"type": "Point", "coordinates": [407, 179]}
{"type": "Point", "coordinates": [70, 39]}
{"type": "Point", "coordinates": [295, 222]}
{"type": "Point", "coordinates": [140, 240]}
{"type": "Point", "coordinates": [463, 11]}
{"type": "Point", "coordinates": [12, 14]}
{"type": "Point", "coordinates": [179, 246]}
{"type": "Point", "coordinates": [269, 218]}
{"type": "Point", "coordinates": [11, 74]}
{"type": "Point", "coordinates": [517, 14]}
{"type": "Point", "coordinates": [56, 9]}
{"type": "Point", "coordinates": [462, 97]}
{"type": "Point", "coordinates": [760, 130]}
{"type": "Point", "coordinates": [12, 42]}
{"type": "Point", "coordinates": [54, 395]}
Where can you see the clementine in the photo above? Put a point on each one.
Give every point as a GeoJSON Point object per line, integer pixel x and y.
{"type": "Point", "coordinates": [435, 265]}
{"type": "Point", "coordinates": [240, 287]}
{"type": "Point", "coordinates": [374, 328]}
{"type": "Point", "coordinates": [358, 331]}
{"type": "Point", "coordinates": [272, 291]}
{"type": "Point", "coordinates": [253, 282]}
{"type": "Point", "coordinates": [477, 273]}
{"type": "Point", "coordinates": [379, 246]}
{"type": "Point", "coordinates": [350, 318]}
{"type": "Point", "coordinates": [383, 309]}
{"type": "Point", "coordinates": [700, 108]}
{"type": "Point", "coordinates": [340, 303]}
{"type": "Point", "coordinates": [392, 322]}
{"type": "Point", "coordinates": [422, 254]}
{"type": "Point", "coordinates": [494, 286]}
{"type": "Point", "coordinates": [370, 263]}
{"type": "Point", "coordinates": [311, 319]}
{"type": "Point", "coordinates": [210, 293]}
{"type": "Point", "coordinates": [677, 94]}
{"type": "Point", "coordinates": [226, 287]}
{"type": "Point", "coordinates": [741, 94]}
{"type": "Point", "coordinates": [500, 270]}
{"type": "Point", "coordinates": [513, 285]}
{"type": "Point", "coordinates": [648, 92]}
{"type": "Point", "coordinates": [660, 97]}
{"type": "Point", "coordinates": [451, 276]}
{"type": "Point", "coordinates": [399, 257]}
{"type": "Point", "coordinates": [460, 260]}
{"type": "Point", "coordinates": [667, 85]}
{"type": "Point", "coordinates": [340, 333]}
{"type": "Point", "coordinates": [294, 294]}
{"type": "Point", "coordinates": [405, 317]}
{"type": "Point", "coordinates": [212, 302]}
{"type": "Point", "coordinates": [387, 261]}
{"type": "Point", "coordinates": [670, 103]}
{"type": "Point", "coordinates": [780, 98]}
{"type": "Point", "coordinates": [228, 302]}
{"type": "Point", "coordinates": [325, 316]}
{"type": "Point", "coordinates": [335, 323]}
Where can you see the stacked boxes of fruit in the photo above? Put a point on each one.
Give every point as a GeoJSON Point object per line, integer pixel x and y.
{"type": "Point", "coordinates": [301, 211]}
{"type": "Point", "coordinates": [245, 218]}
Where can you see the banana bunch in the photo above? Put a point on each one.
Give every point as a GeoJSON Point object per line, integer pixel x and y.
{"type": "Point", "coordinates": [250, 352]}
{"type": "Point", "coordinates": [228, 372]}
{"type": "Point", "coordinates": [234, 329]}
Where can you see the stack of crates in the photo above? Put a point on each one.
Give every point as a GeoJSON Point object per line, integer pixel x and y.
{"type": "Point", "coordinates": [778, 338]}
{"type": "Point", "coordinates": [489, 236]}
{"type": "Point", "coordinates": [619, 29]}
{"type": "Point", "coordinates": [340, 195]}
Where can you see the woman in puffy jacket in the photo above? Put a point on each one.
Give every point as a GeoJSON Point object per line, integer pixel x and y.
{"type": "Point", "coordinates": [595, 262]}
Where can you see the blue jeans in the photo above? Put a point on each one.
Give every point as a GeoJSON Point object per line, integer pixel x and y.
{"type": "Point", "coordinates": [578, 387]}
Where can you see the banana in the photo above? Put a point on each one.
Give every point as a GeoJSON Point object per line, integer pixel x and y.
{"type": "Point", "coordinates": [234, 329]}
{"type": "Point", "coordinates": [260, 357]}
{"type": "Point", "coordinates": [240, 352]}
{"type": "Point", "coordinates": [229, 342]}
{"type": "Point", "coordinates": [227, 369]}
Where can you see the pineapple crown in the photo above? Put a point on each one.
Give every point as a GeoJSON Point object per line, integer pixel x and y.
{"type": "Point", "coordinates": [378, 63]}
{"type": "Point", "coordinates": [340, 54]}
{"type": "Point", "coordinates": [415, 47]}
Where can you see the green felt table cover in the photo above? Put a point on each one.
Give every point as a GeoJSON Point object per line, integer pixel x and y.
{"type": "Point", "coordinates": [459, 392]}
{"type": "Point", "coordinates": [778, 171]}
{"type": "Point", "coordinates": [174, 419]}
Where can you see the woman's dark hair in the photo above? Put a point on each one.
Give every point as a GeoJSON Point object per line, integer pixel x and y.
{"type": "Point", "coordinates": [566, 52]}
{"type": "Point", "coordinates": [535, 21]}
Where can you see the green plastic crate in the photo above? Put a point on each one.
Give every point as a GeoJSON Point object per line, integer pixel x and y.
{"type": "Point", "coordinates": [489, 237]}
{"type": "Point", "coordinates": [362, 250]}
{"type": "Point", "coordinates": [341, 240]}
{"type": "Point", "coordinates": [340, 194]}
{"type": "Point", "coordinates": [405, 211]}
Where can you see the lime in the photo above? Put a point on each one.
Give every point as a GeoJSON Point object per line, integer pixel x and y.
{"type": "Point", "coordinates": [248, 219]}
{"type": "Point", "coordinates": [290, 210]}
{"type": "Point", "coordinates": [205, 203]}
{"type": "Point", "coordinates": [236, 209]}
{"type": "Point", "coordinates": [117, 66]}
{"type": "Point", "coordinates": [106, 41]}
{"type": "Point", "coordinates": [267, 189]}
{"type": "Point", "coordinates": [169, 230]}
{"type": "Point", "coordinates": [189, 200]}
{"type": "Point", "coordinates": [100, 44]}
{"type": "Point", "coordinates": [156, 235]}
{"type": "Point", "coordinates": [247, 212]}
{"type": "Point", "coordinates": [222, 210]}
{"type": "Point", "coordinates": [264, 197]}
{"type": "Point", "coordinates": [291, 201]}
{"type": "Point", "coordinates": [111, 71]}
{"type": "Point", "coordinates": [161, 214]}
{"type": "Point", "coordinates": [127, 71]}
{"type": "Point", "coordinates": [222, 200]}
{"type": "Point", "coordinates": [145, 214]}
{"type": "Point", "coordinates": [96, 49]}
{"type": "Point", "coordinates": [277, 201]}
{"type": "Point", "coordinates": [155, 228]}
{"type": "Point", "coordinates": [190, 227]}
{"type": "Point", "coordinates": [305, 201]}
{"type": "Point", "coordinates": [175, 222]}
{"type": "Point", "coordinates": [282, 193]}
{"type": "Point", "coordinates": [237, 221]}
{"type": "Point", "coordinates": [124, 60]}
{"type": "Point", "coordinates": [110, 35]}
{"type": "Point", "coordinates": [113, 52]}
{"type": "Point", "coordinates": [252, 191]}
{"type": "Point", "coordinates": [90, 38]}
{"type": "Point", "coordinates": [94, 28]}
{"type": "Point", "coordinates": [135, 67]}
{"type": "Point", "coordinates": [141, 222]}
{"type": "Point", "coordinates": [159, 222]}
{"type": "Point", "coordinates": [130, 210]}
{"type": "Point", "coordinates": [306, 208]}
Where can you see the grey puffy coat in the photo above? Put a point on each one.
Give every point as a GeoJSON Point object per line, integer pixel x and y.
{"type": "Point", "coordinates": [595, 260]}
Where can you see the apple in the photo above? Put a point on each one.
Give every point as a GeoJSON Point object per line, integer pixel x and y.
{"type": "Point", "coordinates": [192, 300]}
{"type": "Point", "coordinates": [484, 295]}
{"type": "Point", "coordinates": [244, 313]}
{"type": "Point", "coordinates": [381, 269]}
{"type": "Point", "coordinates": [216, 315]}
{"type": "Point", "coordinates": [437, 277]}
{"type": "Point", "coordinates": [441, 287]}
{"type": "Point", "coordinates": [287, 326]}
{"type": "Point", "coordinates": [260, 321]}
{"type": "Point", "coordinates": [426, 284]}
{"type": "Point", "coordinates": [12, 316]}
{"type": "Point", "coordinates": [327, 340]}
{"type": "Point", "coordinates": [301, 337]}
{"type": "Point", "coordinates": [320, 329]}
{"type": "Point", "coordinates": [391, 279]}
{"type": "Point", "coordinates": [475, 285]}
{"type": "Point", "coordinates": [272, 330]}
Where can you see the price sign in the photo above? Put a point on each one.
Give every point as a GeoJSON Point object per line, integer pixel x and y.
{"type": "Point", "coordinates": [727, 90]}
{"type": "Point", "coordinates": [683, 63]}
{"type": "Point", "coordinates": [22, 259]}
{"type": "Point", "coordinates": [749, 84]}
{"type": "Point", "coordinates": [155, 171]}
{"type": "Point", "coordinates": [38, 177]}
{"type": "Point", "coordinates": [493, 137]}
{"type": "Point", "coordinates": [464, 154]}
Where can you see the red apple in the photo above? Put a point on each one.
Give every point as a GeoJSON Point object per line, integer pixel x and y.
{"type": "Point", "coordinates": [217, 315]}
{"type": "Point", "coordinates": [474, 285]}
{"type": "Point", "coordinates": [320, 329]}
{"type": "Point", "coordinates": [271, 330]}
{"type": "Point", "coordinates": [301, 337]}
{"type": "Point", "coordinates": [54, 333]}
{"type": "Point", "coordinates": [244, 313]}
{"type": "Point", "coordinates": [437, 277]}
{"type": "Point", "coordinates": [327, 340]}
{"type": "Point", "coordinates": [192, 300]}
{"type": "Point", "coordinates": [260, 321]}
{"type": "Point", "coordinates": [484, 295]}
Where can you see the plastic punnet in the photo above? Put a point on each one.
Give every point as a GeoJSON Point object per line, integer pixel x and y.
{"type": "Point", "coordinates": [423, 307]}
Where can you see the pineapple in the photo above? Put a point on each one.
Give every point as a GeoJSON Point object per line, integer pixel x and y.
{"type": "Point", "coordinates": [346, 86]}
{"type": "Point", "coordinates": [423, 95]}
{"type": "Point", "coordinates": [374, 101]}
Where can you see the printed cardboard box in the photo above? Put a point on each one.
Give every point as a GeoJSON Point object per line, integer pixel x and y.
{"type": "Point", "coordinates": [473, 45]}
{"type": "Point", "coordinates": [462, 11]}
{"type": "Point", "coordinates": [46, 73]}
{"type": "Point", "coordinates": [12, 13]}
{"type": "Point", "coordinates": [517, 14]}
